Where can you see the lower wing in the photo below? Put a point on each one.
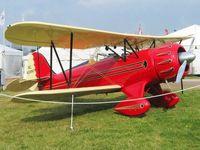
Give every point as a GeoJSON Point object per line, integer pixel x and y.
{"type": "Point", "coordinates": [62, 94]}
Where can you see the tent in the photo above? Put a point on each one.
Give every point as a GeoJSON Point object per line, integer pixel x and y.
{"type": "Point", "coordinates": [10, 63]}
{"type": "Point", "coordinates": [193, 30]}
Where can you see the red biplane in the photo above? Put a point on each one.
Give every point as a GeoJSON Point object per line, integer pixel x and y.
{"type": "Point", "coordinates": [146, 62]}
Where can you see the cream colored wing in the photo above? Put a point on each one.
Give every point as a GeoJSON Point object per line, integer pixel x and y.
{"type": "Point", "coordinates": [41, 34]}
{"type": "Point", "coordinates": [62, 94]}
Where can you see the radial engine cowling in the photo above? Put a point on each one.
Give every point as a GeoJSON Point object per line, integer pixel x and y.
{"type": "Point", "coordinates": [168, 59]}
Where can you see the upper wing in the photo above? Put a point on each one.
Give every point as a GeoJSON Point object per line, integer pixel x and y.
{"type": "Point", "coordinates": [63, 93]}
{"type": "Point", "coordinates": [41, 34]}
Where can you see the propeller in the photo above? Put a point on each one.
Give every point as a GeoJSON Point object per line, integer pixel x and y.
{"type": "Point", "coordinates": [181, 71]}
{"type": "Point", "coordinates": [185, 59]}
{"type": "Point", "coordinates": [191, 44]}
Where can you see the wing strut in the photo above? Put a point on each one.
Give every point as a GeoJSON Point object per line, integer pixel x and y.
{"type": "Point", "coordinates": [70, 63]}
{"type": "Point", "coordinates": [125, 49]}
{"type": "Point", "coordinates": [37, 49]}
{"type": "Point", "coordinates": [51, 65]}
{"type": "Point", "coordinates": [153, 44]}
{"type": "Point", "coordinates": [126, 42]}
{"type": "Point", "coordinates": [108, 48]}
{"type": "Point", "coordinates": [54, 48]}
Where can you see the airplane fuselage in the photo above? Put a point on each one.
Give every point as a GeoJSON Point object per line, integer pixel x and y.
{"type": "Point", "coordinates": [135, 76]}
{"type": "Point", "coordinates": [153, 66]}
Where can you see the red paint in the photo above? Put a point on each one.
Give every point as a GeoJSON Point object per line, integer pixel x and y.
{"type": "Point", "coordinates": [133, 108]}
{"type": "Point", "coordinates": [135, 76]}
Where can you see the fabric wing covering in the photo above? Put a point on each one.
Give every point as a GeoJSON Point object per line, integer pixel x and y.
{"type": "Point", "coordinates": [63, 93]}
{"type": "Point", "coordinates": [41, 34]}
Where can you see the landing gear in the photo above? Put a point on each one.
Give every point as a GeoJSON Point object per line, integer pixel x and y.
{"type": "Point", "coordinates": [166, 101]}
{"type": "Point", "coordinates": [136, 104]}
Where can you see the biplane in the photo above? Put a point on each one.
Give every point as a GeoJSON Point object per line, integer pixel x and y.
{"type": "Point", "coordinates": [146, 62]}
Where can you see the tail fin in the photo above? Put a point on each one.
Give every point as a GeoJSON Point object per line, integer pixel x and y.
{"type": "Point", "coordinates": [37, 67]}
{"type": "Point", "coordinates": [36, 73]}
{"type": "Point", "coordinates": [41, 65]}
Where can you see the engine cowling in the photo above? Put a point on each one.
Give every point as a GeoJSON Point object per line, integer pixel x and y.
{"type": "Point", "coordinates": [166, 61]}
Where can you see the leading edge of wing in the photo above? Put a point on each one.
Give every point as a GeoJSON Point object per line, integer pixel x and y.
{"type": "Point", "coordinates": [49, 95]}
{"type": "Point", "coordinates": [41, 34]}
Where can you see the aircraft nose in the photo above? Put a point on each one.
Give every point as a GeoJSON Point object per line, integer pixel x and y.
{"type": "Point", "coordinates": [188, 56]}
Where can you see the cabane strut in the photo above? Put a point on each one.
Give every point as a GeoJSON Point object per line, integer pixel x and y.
{"type": "Point", "coordinates": [125, 50]}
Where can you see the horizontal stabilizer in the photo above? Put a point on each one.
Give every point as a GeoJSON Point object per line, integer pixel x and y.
{"type": "Point", "coordinates": [22, 85]}
{"type": "Point", "coordinates": [61, 94]}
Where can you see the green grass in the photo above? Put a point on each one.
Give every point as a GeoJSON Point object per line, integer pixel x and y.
{"type": "Point", "coordinates": [98, 127]}
{"type": "Point", "coordinates": [192, 77]}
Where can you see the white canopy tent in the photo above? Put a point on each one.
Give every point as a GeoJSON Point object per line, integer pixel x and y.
{"type": "Point", "coordinates": [10, 63]}
{"type": "Point", "coordinates": [193, 30]}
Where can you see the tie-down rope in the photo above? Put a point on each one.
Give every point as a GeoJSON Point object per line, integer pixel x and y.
{"type": "Point", "coordinates": [96, 103]}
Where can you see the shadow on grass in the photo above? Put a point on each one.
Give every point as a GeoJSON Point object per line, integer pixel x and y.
{"type": "Point", "coordinates": [64, 111]}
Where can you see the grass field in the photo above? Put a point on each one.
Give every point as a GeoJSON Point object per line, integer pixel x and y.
{"type": "Point", "coordinates": [98, 127]}
{"type": "Point", "coordinates": [192, 77]}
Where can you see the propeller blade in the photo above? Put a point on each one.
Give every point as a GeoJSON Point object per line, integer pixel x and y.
{"type": "Point", "coordinates": [181, 72]}
{"type": "Point", "coordinates": [191, 44]}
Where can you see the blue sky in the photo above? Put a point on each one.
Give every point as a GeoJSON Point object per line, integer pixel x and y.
{"type": "Point", "coordinates": [114, 15]}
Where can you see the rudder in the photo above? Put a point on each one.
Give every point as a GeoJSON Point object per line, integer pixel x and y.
{"type": "Point", "coordinates": [41, 65]}
{"type": "Point", "coordinates": [37, 67]}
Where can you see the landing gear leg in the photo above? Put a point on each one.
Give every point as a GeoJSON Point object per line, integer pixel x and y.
{"type": "Point", "coordinates": [135, 104]}
{"type": "Point", "coordinates": [165, 101]}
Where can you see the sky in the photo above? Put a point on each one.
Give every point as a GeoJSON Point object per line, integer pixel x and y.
{"type": "Point", "coordinates": [113, 15]}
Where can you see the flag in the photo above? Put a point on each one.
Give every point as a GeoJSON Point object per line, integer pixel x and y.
{"type": "Point", "coordinates": [140, 31]}
{"type": "Point", "coordinates": [166, 31]}
{"type": "Point", "coordinates": [2, 18]}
